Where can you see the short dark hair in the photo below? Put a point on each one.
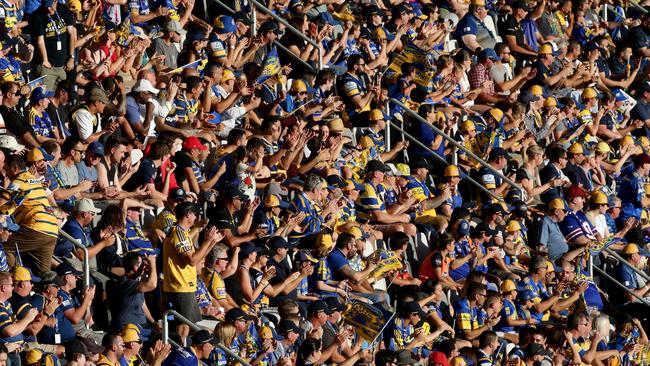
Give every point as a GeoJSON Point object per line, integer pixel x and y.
{"type": "Point", "coordinates": [475, 288]}
{"type": "Point", "coordinates": [486, 338]}
{"type": "Point", "coordinates": [110, 339]}
{"type": "Point", "coordinates": [353, 60]}
{"type": "Point", "coordinates": [234, 135]}
{"type": "Point", "coordinates": [184, 208]}
{"type": "Point", "coordinates": [192, 82]}
{"type": "Point", "coordinates": [130, 260]}
{"type": "Point", "coordinates": [343, 240]}
{"type": "Point", "coordinates": [555, 153]}
{"type": "Point", "coordinates": [398, 240]}
{"type": "Point", "coordinates": [159, 149]}
{"type": "Point", "coordinates": [69, 144]}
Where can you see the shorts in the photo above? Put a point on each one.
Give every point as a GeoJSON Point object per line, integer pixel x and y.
{"type": "Point", "coordinates": [184, 303]}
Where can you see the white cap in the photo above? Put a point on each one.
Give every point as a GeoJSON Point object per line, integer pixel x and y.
{"type": "Point", "coordinates": [451, 18]}
{"type": "Point", "coordinates": [9, 142]}
{"type": "Point", "coordinates": [143, 85]}
{"type": "Point", "coordinates": [86, 205]}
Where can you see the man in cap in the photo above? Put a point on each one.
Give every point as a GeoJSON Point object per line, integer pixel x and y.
{"type": "Point", "coordinates": [132, 346]}
{"type": "Point", "coordinates": [309, 202]}
{"type": "Point", "coordinates": [201, 348]}
{"type": "Point", "coordinates": [536, 282]}
{"type": "Point", "coordinates": [512, 30]}
{"type": "Point", "coordinates": [471, 32]}
{"type": "Point", "coordinates": [545, 75]}
{"type": "Point", "coordinates": [189, 162]}
{"type": "Point", "coordinates": [136, 240]}
{"type": "Point", "coordinates": [228, 216]}
{"type": "Point", "coordinates": [39, 119]}
{"type": "Point", "coordinates": [221, 48]}
{"type": "Point", "coordinates": [165, 220]}
{"type": "Point", "coordinates": [376, 133]}
{"type": "Point", "coordinates": [75, 309]}
{"type": "Point", "coordinates": [12, 328]}
{"type": "Point", "coordinates": [85, 121]}
{"type": "Point", "coordinates": [549, 235]}
{"type": "Point", "coordinates": [372, 205]}
{"type": "Point", "coordinates": [217, 267]}
{"type": "Point", "coordinates": [557, 160]}
{"type": "Point", "coordinates": [21, 301]}
{"type": "Point", "coordinates": [576, 227]}
{"type": "Point", "coordinates": [7, 227]}
{"type": "Point", "coordinates": [575, 156]}
{"type": "Point", "coordinates": [626, 274]}
{"type": "Point", "coordinates": [480, 77]}
{"type": "Point", "coordinates": [138, 112]}
{"type": "Point", "coordinates": [126, 294]}
{"type": "Point", "coordinates": [268, 32]}
{"type": "Point", "coordinates": [179, 264]}
{"type": "Point", "coordinates": [417, 185]}
{"type": "Point", "coordinates": [166, 45]}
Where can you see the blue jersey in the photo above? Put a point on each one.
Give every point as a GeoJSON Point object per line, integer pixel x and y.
{"type": "Point", "coordinates": [631, 191]}
{"type": "Point", "coordinates": [575, 225]}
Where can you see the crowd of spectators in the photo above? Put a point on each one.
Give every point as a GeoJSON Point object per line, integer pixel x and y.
{"type": "Point", "coordinates": [372, 182]}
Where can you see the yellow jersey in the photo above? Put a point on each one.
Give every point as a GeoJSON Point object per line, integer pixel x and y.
{"type": "Point", "coordinates": [178, 276]}
{"type": "Point", "coordinates": [28, 202]}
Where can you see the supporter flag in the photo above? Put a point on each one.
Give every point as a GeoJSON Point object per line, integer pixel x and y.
{"type": "Point", "coordinates": [37, 82]}
{"type": "Point", "coordinates": [367, 319]}
{"type": "Point", "coordinates": [270, 67]}
{"type": "Point", "coordinates": [191, 65]}
{"type": "Point", "coordinates": [388, 261]}
{"type": "Point", "coordinates": [420, 59]}
{"type": "Point", "coordinates": [123, 31]}
{"type": "Point", "coordinates": [599, 246]}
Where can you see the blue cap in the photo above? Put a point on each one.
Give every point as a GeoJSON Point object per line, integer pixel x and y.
{"type": "Point", "coordinates": [527, 295]}
{"type": "Point", "coordinates": [591, 46]}
{"type": "Point", "coordinates": [10, 225]}
{"type": "Point", "coordinates": [463, 228]}
{"type": "Point", "coordinates": [197, 37]}
{"type": "Point", "coordinates": [224, 24]}
{"type": "Point", "coordinates": [620, 97]}
{"type": "Point", "coordinates": [48, 3]}
{"type": "Point", "coordinates": [8, 42]}
{"type": "Point", "coordinates": [96, 148]}
{"type": "Point", "coordinates": [39, 94]}
{"type": "Point", "coordinates": [247, 248]}
{"type": "Point", "coordinates": [492, 287]}
{"type": "Point", "coordinates": [488, 53]}
{"type": "Point", "coordinates": [215, 118]}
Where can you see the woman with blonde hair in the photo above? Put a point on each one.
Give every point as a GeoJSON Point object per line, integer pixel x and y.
{"type": "Point", "coordinates": [224, 333]}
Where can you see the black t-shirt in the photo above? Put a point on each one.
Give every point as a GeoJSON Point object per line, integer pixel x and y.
{"type": "Point", "coordinates": [54, 30]}
{"type": "Point", "coordinates": [146, 174]}
{"type": "Point", "coordinates": [510, 27]}
{"type": "Point", "coordinates": [59, 115]}
{"type": "Point", "coordinates": [182, 160]}
{"type": "Point", "coordinates": [221, 218]}
{"type": "Point", "coordinates": [15, 122]}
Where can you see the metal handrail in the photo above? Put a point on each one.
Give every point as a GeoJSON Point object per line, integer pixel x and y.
{"type": "Point", "coordinates": [267, 11]}
{"type": "Point", "coordinates": [457, 145]}
{"type": "Point", "coordinates": [86, 262]}
{"type": "Point", "coordinates": [276, 43]}
{"type": "Point", "coordinates": [623, 260]}
{"type": "Point", "coordinates": [615, 281]}
{"type": "Point", "coordinates": [184, 320]}
{"type": "Point", "coordinates": [466, 177]}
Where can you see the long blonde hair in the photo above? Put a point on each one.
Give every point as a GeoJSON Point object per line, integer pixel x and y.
{"type": "Point", "coordinates": [225, 333]}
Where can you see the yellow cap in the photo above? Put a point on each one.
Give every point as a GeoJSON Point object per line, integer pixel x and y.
{"type": "Point", "coordinates": [550, 266]}
{"type": "Point", "coordinates": [631, 249]}
{"type": "Point", "coordinates": [647, 189]}
{"type": "Point", "coordinates": [35, 154]}
{"type": "Point", "coordinates": [550, 102]}
{"type": "Point", "coordinates": [458, 361]}
{"type": "Point", "coordinates": [298, 86]}
{"type": "Point", "coordinates": [336, 125]}
{"type": "Point", "coordinates": [33, 356]}
{"type": "Point", "coordinates": [266, 332]}
{"type": "Point", "coordinates": [545, 49]}
{"type": "Point", "coordinates": [467, 126]}
{"type": "Point", "coordinates": [366, 142]}
{"type": "Point", "coordinates": [376, 115]}
{"type": "Point", "coordinates": [378, 33]}
{"type": "Point", "coordinates": [603, 147]}
{"type": "Point", "coordinates": [357, 233]}
{"type": "Point", "coordinates": [644, 142]}
{"type": "Point", "coordinates": [536, 90]}
{"type": "Point", "coordinates": [74, 6]}
{"type": "Point", "coordinates": [227, 75]}
{"type": "Point", "coordinates": [626, 140]}
{"type": "Point", "coordinates": [452, 171]}
{"type": "Point", "coordinates": [131, 326]}
{"type": "Point", "coordinates": [478, 2]}
{"type": "Point", "coordinates": [22, 274]}
{"type": "Point", "coordinates": [130, 335]}
{"type": "Point", "coordinates": [507, 286]}
{"type": "Point", "coordinates": [513, 226]}
{"type": "Point", "coordinates": [557, 204]}
{"type": "Point", "coordinates": [589, 93]}
{"type": "Point", "coordinates": [497, 114]}
{"type": "Point", "coordinates": [402, 170]}
{"type": "Point", "coordinates": [324, 240]}
{"type": "Point", "coordinates": [576, 148]}
{"type": "Point", "coordinates": [599, 198]}
{"type": "Point", "coordinates": [349, 186]}
{"type": "Point", "coordinates": [271, 201]}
